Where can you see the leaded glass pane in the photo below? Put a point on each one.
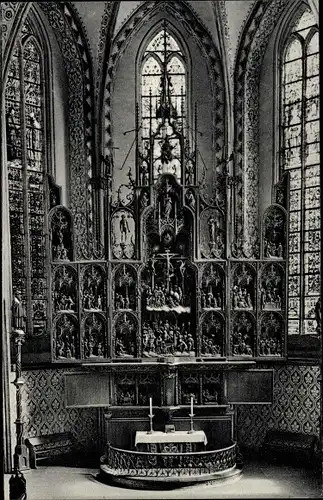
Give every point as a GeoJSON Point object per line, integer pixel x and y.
{"type": "Point", "coordinates": [310, 327]}
{"type": "Point", "coordinates": [312, 262]}
{"type": "Point", "coordinates": [312, 154]}
{"type": "Point", "coordinates": [292, 157]}
{"type": "Point", "coordinates": [313, 45]}
{"type": "Point", "coordinates": [293, 92]}
{"type": "Point", "coordinates": [305, 22]}
{"type": "Point", "coordinates": [312, 131]}
{"type": "Point", "coordinates": [293, 327]}
{"type": "Point", "coordinates": [313, 87]}
{"type": "Point", "coordinates": [312, 284]}
{"type": "Point", "coordinates": [313, 109]}
{"type": "Point", "coordinates": [312, 65]}
{"type": "Point", "coordinates": [310, 307]}
{"type": "Point", "coordinates": [293, 136]}
{"type": "Point", "coordinates": [294, 50]}
{"type": "Point", "coordinates": [295, 179]}
{"type": "Point", "coordinates": [295, 200]}
{"type": "Point", "coordinates": [294, 243]}
{"type": "Point", "coordinates": [294, 286]}
{"type": "Point", "coordinates": [294, 307]}
{"type": "Point", "coordinates": [292, 114]}
{"type": "Point", "coordinates": [294, 266]}
{"type": "Point", "coordinates": [295, 222]}
{"type": "Point", "coordinates": [312, 197]}
{"type": "Point", "coordinates": [293, 71]}
{"type": "Point", "coordinates": [312, 241]}
{"type": "Point", "coordinates": [312, 219]}
{"type": "Point", "coordinates": [312, 177]}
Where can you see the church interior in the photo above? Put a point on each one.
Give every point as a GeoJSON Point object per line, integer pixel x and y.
{"type": "Point", "coordinates": [161, 249]}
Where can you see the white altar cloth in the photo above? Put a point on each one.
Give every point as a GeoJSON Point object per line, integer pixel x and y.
{"type": "Point", "coordinates": [170, 437]}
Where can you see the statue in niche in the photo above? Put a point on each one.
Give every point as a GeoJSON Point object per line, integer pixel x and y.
{"type": "Point", "coordinates": [124, 229]}
{"type": "Point", "coordinates": [269, 341]}
{"type": "Point", "coordinates": [190, 199]}
{"type": "Point", "coordinates": [271, 289]}
{"type": "Point", "coordinates": [93, 289]}
{"type": "Point", "coordinates": [274, 234]}
{"type": "Point", "coordinates": [165, 338]}
{"type": "Point", "coordinates": [125, 394]}
{"type": "Point", "coordinates": [144, 200]}
{"type": "Point", "coordinates": [93, 337]}
{"type": "Point", "coordinates": [144, 174]}
{"type": "Point", "coordinates": [125, 290]}
{"type": "Point", "coordinates": [211, 339]}
{"type": "Point", "coordinates": [242, 336]}
{"type": "Point", "coordinates": [125, 343]}
{"type": "Point", "coordinates": [18, 313]}
{"type": "Point", "coordinates": [61, 236]}
{"type": "Point", "coordinates": [65, 290]}
{"type": "Point", "coordinates": [166, 149]}
{"type": "Point", "coordinates": [243, 289]}
{"type": "Point", "coordinates": [12, 133]}
{"type": "Point", "coordinates": [212, 292]}
{"type": "Point", "coordinates": [318, 316]}
{"type": "Point", "coordinates": [210, 396]}
{"type": "Point", "coordinates": [212, 228]}
{"type": "Point", "coordinates": [66, 335]}
{"type": "Point", "coordinates": [60, 250]}
{"type": "Point", "coordinates": [189, 173]}
{"type": "Point", "coordinates": [167, 206]}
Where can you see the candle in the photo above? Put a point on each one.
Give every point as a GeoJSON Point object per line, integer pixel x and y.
{"type": "Point", "coordinates": [191, 405]}
{"type": "Point", "coordinates": [151, 405]}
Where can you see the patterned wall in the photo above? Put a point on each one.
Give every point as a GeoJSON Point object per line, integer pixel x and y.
{"type": "Point", "coordinates": [296, 407]}
{"type": "Point", "coordinates": [45, 413]}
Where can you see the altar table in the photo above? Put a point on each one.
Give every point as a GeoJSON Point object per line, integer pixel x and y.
{"type": "Point", "coordinates": [170, 442]}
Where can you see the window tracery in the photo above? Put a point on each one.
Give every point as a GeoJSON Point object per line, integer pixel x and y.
{"type": "Point", "coordinates": [26, 163]}
{"type": "Point", "coordinates": [300, 156]}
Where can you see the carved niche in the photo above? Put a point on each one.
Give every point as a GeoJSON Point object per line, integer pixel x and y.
{"type": "Point", "coordinates": [123, 235]}
{"type": "Point", "coordinates": [94, 342]}
{"type": "Point", "coordinates": [65, 287]}
{"type": "Point", "coordinates": [270, 341]}
{"type": "Point", "coordinates": [212, 234]}
{"type": "Point", "coordinates": [125, 332]}
{"type": "Point", "coordinates": [168, 300]}
{"type": "Point", "coordinates": [148, 384]}
{"type": "Point", "coordinates": [125, 389]}
{"type": "Point", "coordinates": [61, 234]}
{"type": "Point", "coordinates": [190, 385]}
{"type": "Point", "coordinates": [212, 328]}
{"type": "Point", "coordinates": [243, 334]}
{"type": "Point", "coordinates": [243, 294]}
{"type": "Point", "coordinates": [211, 388]}
{"type": "Point", "coordinates": [212, 294]}
{"type": "Point", "coordinates": [272, 288]}
{"type": "Point", "coordinates": [167, 225]}
{"type": "Point", "coordinates": [274, 233]}
{"type": "Point", "coordinates": [65, 337]}
{"type": "Point", "coordinates": [125, 288]}
{"type": "Point", "coordinates": [93, 294]}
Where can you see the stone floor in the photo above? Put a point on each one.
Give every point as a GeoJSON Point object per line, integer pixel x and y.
{"type": "Point", "coordinates": [259, 480]}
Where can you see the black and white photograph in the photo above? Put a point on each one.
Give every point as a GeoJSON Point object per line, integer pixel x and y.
{"type": "Point", "coordinates": [161, 250]}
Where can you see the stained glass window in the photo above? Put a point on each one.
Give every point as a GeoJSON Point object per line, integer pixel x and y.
{"type": "Point", "coordinates": [163, 83]}
{"type": "Point", "coordinates": [25, 134]}
{"type": "Point", "coordinates": [300, 156]}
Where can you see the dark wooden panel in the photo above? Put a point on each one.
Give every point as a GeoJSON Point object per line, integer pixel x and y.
{"type": "Point", "coordinates": [84, 390]}
{"type": "Point", "coordinates": [250, 386]}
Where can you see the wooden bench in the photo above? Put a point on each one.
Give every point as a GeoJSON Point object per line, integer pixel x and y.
{"type": "Point", "coordinates": [49, 447]}
{"type": "Point", "coordinates": [291, 446]}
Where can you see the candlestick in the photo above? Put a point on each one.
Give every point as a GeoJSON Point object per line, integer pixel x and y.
{"type": "Point", "coordinates": [191, 422]}
{"type": "Point", "coordinates": [192, 404]}
{"type": "Point", "coordinates": [151, 406]}
{"type": "Point", "coordinates": [151, 430]}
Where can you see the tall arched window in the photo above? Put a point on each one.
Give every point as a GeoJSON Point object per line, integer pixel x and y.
{"type": "Point", "coordinates": [25, 96]}
{"type": "Point", "coordinates": [163, 94]}
{"type": "Point", "coordinates": [300, 156]}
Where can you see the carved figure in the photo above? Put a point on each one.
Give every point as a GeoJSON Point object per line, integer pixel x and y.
{"type": "Point", "coordinates": [190, 199]}
{"type": "Point", "coordinates": [124, 229]}
{"type": "Point", "coordinates": [168, 206]}
{"type": "Point", "coordinates": [212, 228]}
{"type": "Point", "coordinates": [18, 313]}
